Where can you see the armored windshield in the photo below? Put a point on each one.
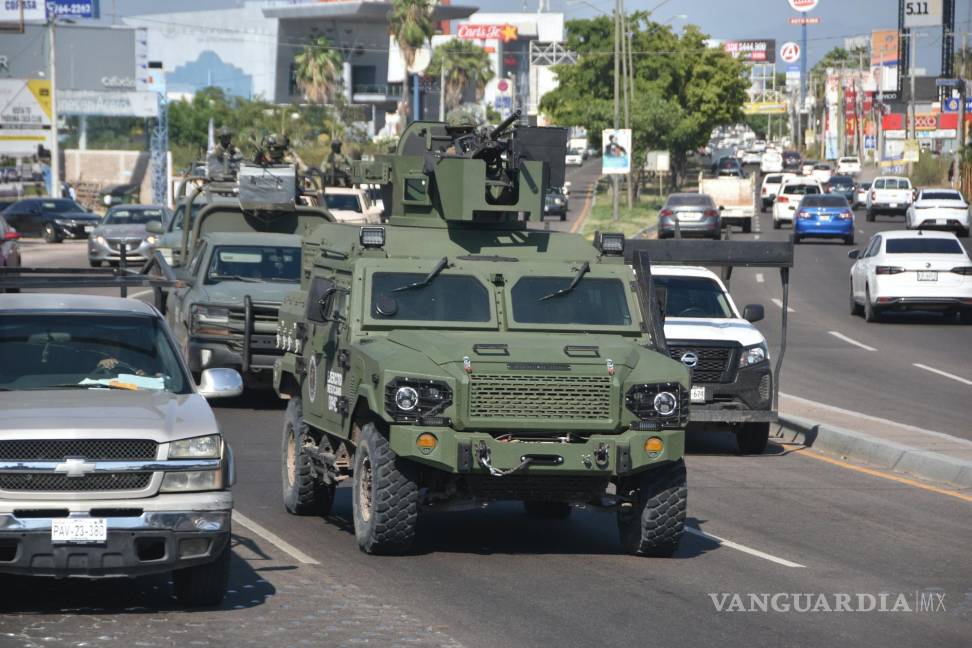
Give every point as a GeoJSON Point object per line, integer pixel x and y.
{"type": "Point", "coordinates": [65, 351]}
{"type": "Point", "coordinates": [449, 298]}
{"type": "Point", "coordinates": [344, 202]}
{"type": "Point", "coordinates": [262, 263]}
{"type": "Point", "coordinates": [597, 302]}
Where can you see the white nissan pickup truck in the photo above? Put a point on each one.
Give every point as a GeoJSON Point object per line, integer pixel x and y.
{"type": "Point", "coordinates": [889, 195]}
{"type": "Point", "coordinates": [728, 356]}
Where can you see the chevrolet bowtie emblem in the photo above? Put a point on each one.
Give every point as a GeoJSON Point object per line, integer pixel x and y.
{"type": "Point", "coordinates": [75, 467]}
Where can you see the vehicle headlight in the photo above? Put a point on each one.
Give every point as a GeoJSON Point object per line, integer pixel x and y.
{"type": "Point", "coordinates": [210, 320]}
{"type": "Point", "coordinates": [203, 447]}
{"type": "Point", "coordinates": [192, 480]}
{"type": "Point", "coordinates": [417, 400]}
{"type": "Point", "coordinates": [753, 355]}
{"type": "Point", "coordinates": [665, 403]}
{"type": "Point", "coordinates": [151, 239]}
{"type": "Point", "coordinates": [100, 240]}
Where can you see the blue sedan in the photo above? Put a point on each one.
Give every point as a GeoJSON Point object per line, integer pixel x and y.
{"type": "Point", "coordinates": [824, 216]}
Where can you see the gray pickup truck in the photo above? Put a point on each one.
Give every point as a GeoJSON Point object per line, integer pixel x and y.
{"type": "Point", "coordinates": [111, 461]}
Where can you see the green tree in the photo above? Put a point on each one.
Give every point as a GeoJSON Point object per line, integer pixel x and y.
{"type": "Point", "coordinates": [682, 88]}
{"type": "Point", "coordinates": [465, 64]}
{"type": "Point", "coordinates": [412, 27]}
{"type": "Point", "coordinates": [318, 68]}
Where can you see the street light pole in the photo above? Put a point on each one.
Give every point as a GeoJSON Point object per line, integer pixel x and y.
{"type": "Point", "coordinates": [55, 145]}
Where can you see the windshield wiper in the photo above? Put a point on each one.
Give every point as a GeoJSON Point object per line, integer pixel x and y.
{"type": "Point", "coordinates": [235, 278]}
{"type": "Point", "coordinates": [439, 267]}
{"type": "Point", "coordinates": [84, 386]}
{"type": "Point", "coordinates": [583, 270]}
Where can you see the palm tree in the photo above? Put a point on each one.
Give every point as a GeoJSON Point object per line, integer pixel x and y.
{"type": "Point", "coordinates": [465, 63]}
{"type": "Point", "coordinates": [317, 69]}
{"type": "Point", "coordinates": [412, 26]}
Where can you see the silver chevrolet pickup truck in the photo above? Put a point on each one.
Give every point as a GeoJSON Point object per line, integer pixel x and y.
{"type": "Point", "coordinates": [111, 461]}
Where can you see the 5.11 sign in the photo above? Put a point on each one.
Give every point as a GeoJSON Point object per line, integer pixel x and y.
{"type": "Point", "coordinates": [922, 13]}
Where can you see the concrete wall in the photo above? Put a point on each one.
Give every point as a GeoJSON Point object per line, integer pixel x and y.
{"type": "Point", "coordinates": [109, 168]}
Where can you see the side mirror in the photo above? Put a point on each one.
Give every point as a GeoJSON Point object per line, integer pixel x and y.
{"type": "Point", "coordinates": [154, 227]}
{"type": "Point", "coordinates": [220, 383]}
{"type": "Point", "coordinates": [854, 254]}
{"type": "Point", "coordinates": [753, 313]}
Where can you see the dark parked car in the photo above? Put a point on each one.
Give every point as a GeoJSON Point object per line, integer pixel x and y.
{"type": "Point", "coordinates": [697, 215]}
{"type": "Point", "coordinates": [9, 250]}
{"type": "Point", "coordinates": [53, 218]}
{"type": "Point", "coordinates": [843, 185]}
{"type": "Point", "coordinates": [555, 204]}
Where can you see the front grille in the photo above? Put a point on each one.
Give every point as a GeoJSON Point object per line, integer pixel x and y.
{"type": "Point", "coordinates": [714, 365]}
{"type": "Point", "coordinates": [264, 318]}
{"type": "Point", "coordinates": [130, 244]}
{"type": "Point", "coordinates": [89, 449]}
{"type": "Point", "coordinates": [549, 488]}
{"type": "Point", "coordinates": [540, 397]}
{"type": "Point", "coordinates": [63, 483]}
{"type": "Point", "coordinates": [764, 387]}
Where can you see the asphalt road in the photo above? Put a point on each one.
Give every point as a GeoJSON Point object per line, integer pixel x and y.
{"type": "Point", "coordinates": [790, 523]}
{"type": "Point", "coordinates": [582, 181]}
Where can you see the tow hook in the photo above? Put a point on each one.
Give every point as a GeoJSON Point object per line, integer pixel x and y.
{"type": "Point", "coordinates": [484, 456]}
{"type": "Point", "coordinates": [601, 455]}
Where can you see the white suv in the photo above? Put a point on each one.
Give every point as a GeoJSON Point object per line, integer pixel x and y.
{"type": "Point", "coordinates": [848, 166]}
{"type": "Point", "coordinates": [771, 187]}
{"type": "Point", "coordinates": [788, 200]}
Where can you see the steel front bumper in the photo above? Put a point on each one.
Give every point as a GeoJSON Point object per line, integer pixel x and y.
{"type": "Point", "coordinates": [749, 398]}
{"type": "Point", "coordinates": [207, 353]}
{"type": "Point", "coordinates": [152, 542]}
{"type": "Point", "coordinates": [604, 455]}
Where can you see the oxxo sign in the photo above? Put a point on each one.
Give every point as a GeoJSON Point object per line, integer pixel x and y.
{"type": "Point", "coordinates": [790, 52]}
{"type": "Point", "coordinates": [803, 5]}
{"type": "Point", "coordinates": [926, 121]}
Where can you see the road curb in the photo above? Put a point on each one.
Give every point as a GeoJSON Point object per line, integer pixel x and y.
{"type": "Point", "coordinates": [881, 453]}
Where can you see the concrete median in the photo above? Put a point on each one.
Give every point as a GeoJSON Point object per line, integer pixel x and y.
{"type": "Point", "coordinates": [879, 452]}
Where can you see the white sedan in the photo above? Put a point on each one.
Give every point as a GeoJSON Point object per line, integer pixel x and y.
{"type": "Point", "coordinates": [939, 209]}
{"type": "Point", "coordinates": [903, 270]}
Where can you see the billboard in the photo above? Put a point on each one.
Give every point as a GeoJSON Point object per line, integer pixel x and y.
{"type": "Point", "coordinates": [765, 108]}
{"type": "Point", "coordinates": [25, 103]}
{"type": "Point", "coordinates": [803, 5]}
{"type": "Point", "coordinates": [884, 59]}
{"type": "Point", "coordinates": [108, 104]}
{"type": "Point", "coordinates": [617, 151]}
{"type": "Point", "coordinates": [922, 13]}
{"type": "Point", "coordinates": [752, 51]}
{"type": "Point", "coordinates": [38, 11]}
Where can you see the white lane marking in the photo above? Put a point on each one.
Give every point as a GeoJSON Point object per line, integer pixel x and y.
{"type": "Point", "coordinates": [779, 304]}
{"type": "Point", "coordinates": [743, 548]}
{"type": "Point", "coordinates": [757, 237]}
{"type": "Point", "coordinates": [841, 336]}
{"type": "Point", "coordinates": [274, 539]}
{"type": "Point", "coordinates": [876, 419]}
{"type": "Point", "coordinates": [140, 293]}
{"type": "Point", "coordinates": [759, 277]}
{"type": "Point", "coordinates": [942, 373]}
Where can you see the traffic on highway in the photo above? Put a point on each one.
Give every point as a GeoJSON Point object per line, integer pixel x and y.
{"type": "Point", "coordinates": [571, 356]}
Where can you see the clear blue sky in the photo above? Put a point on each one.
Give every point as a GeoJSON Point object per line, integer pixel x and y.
{"type": "Point", "coordinates": [723, 19]}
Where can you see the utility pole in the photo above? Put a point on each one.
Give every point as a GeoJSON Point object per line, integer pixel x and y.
{"type": "Point", "coordinates": [625, 46]}
{"type": "Point", "coordinates": [55, 144]}
{"type": "Point", "coordinates": [616, 199]}
{"type": "Point", "coordinates": [442, 81]}
{"type": "Point", "coordinates": [912, 39]}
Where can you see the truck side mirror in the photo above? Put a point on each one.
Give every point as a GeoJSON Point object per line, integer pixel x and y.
{"type": "Point", "coordinates": [154, 227]}
{"type": "Point", "coordinates": [753, 313]}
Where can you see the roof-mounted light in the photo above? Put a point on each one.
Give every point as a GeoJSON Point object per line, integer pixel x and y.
{"type": "Point", "coordinates": [609, 243]}
{"type": "Point", "coordinates": [372, 237]}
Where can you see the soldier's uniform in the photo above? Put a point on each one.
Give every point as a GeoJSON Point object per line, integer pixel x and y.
{"type": "Point", "coordinates": [223, 162]}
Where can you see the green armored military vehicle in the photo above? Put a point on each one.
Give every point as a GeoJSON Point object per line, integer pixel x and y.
{"type": "Point", "coordinates": [455, 357]}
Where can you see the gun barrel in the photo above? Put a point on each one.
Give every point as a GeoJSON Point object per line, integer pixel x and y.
{"type": "Point", "coordinates": [506, 123]}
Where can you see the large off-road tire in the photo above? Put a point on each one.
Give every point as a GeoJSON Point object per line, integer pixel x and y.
{"type": "Point", "coordinates": [547, 510]}
{"type": "Point", "coordinates": [203, 585]}
{"type": "Point", "coordinates": [303, 492]}
{"type": "Point", "coordinates": [871, 312]}
{"type": "Point", "coordinates": [51, 234]}
{"type": "Point", "coordinates": [385, 496]}
{"type": "Point", "coordinates": [655, 523]}
{"type": "Point", "coordinates": [751, 438]}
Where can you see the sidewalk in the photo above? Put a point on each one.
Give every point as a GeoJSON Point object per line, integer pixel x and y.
{"type": "Point", "coordinates": [905, 449]}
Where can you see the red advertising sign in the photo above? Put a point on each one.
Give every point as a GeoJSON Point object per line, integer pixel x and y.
{"type": "Point", "coordinates": [894, 121]}
{"type": "Point", "coordinates": [753, 51]}
{"type": "Point", "coordinates": [850, 102]}
{"type": "Point", "coordinates": [474, 31]}
{"type": "Point", "coordinates": [803, 5]}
